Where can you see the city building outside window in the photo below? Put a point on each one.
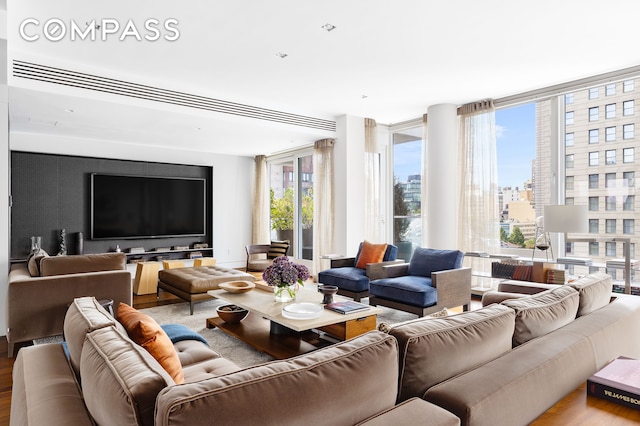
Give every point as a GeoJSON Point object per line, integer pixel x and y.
{"type": "Point", "coordinates": [628, 226]}
{"type": "Point", "coordinates": [594, 92]}
{"type": "Point", "coordinates": [594, 113]}
{"type": "Point", "coordinates": [628, 131]}
{"type": "Point", "coordinates": [568, 118]}
{"type": "Point", "coordinates": [610, 157]}
{"type": "Point", "coordinates": [610, 226]}
{"type": "Point", "coordinates": [628, 86]}
{"type": "Point", "coordinates": [568, 182]}
{"type": "Point", "coordinates": [610, 89]}
{"type": "Point", "coordinates": [594, 136]}
{"type": "Point", "coordinates": [407, 191]}
{"type": "Point", "coordinates": [593, 204]}
{"type": "Point", "coordinates": [594, 181]}
{"type": "Point", "coordinates": [569, 201]}
{"type": "Point", "coordinates": [629, 178]}
{"type": "Point", "coordinates": [610, 111]}
{"type": "Point", "coordinates": [594, 226]}
{"type": "Point", "coordinates": [610, 203]}
{"type": "Point", "coordinates": [568, 163]}
{"type": "Point", "coordinates": [568, 139]}
{"type": "Point", "coordinates": [610, 134]}
{"type": "Point", "coordinates": [594, 249]}
{"type": "Point", "coordinates": [629, 203]}
{"type": "Point", "coordinates": [610, 248]}
{"type": "Point", "coordinates": [609, 180]}
{"type": "Point", "coordinates": [594, 158]}
{"type": "Point", "coordinates": [568, 98]}
{"type": "Point", "coordinates": [628, 108]}
{"type": "Point", "coordinates": [628, 155]}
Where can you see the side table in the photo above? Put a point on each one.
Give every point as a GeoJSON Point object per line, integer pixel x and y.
{"type": "Point", "coordinates": [146, 281]}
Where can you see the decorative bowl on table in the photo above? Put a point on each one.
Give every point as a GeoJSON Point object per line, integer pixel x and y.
{"type": "Point", "coordinates": [328, 291]}
{"type": "Point", "coordinates": [237, 286]}
{"type": "Point", "coordinates": [302, 311]}
{"type": "Point", "coordinates": [231, 313]}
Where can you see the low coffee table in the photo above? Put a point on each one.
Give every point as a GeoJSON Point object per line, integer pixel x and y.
{"type": "Point", "coordinates": [263, 327]}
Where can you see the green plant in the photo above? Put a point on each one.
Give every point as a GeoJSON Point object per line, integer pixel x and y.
{"type": "Point", "coordinates": [516, 237]}
{"type": "Point", "coordinates": [282, 209]}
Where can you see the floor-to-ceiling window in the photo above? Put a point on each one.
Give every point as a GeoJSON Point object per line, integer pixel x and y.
{"type": "Point", "coordinates": [407, 191]}
{"type": "Point", "coordinates": [604, 168]}
{"type": "Point", "coordinates": [574, 148]}
{"type": "Point", "coordinates": [291, 199]}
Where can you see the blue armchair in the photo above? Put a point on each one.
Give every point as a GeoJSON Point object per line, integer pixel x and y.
{"type": "Point", "coordinates": [354, 282]}
{"type": "Point", "coordinates": [432, 281]}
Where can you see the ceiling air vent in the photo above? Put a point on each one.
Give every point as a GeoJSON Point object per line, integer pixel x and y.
{"type": "Point", "coordinates": [80, 80]}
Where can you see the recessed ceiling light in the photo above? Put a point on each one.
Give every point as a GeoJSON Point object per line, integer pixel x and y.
{"type": "Point", "coordinates": [281, 55]}
{"type": "Point", "coordinates": [328, 27]}
{"type": "Point", "coordinates": [68, 110]}
{"type": "Point", "coordinates": [364, 96]}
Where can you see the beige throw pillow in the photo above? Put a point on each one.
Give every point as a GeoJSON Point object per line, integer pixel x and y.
{"type": "Point", "coordinates": [542, 313]}
{"type": "Point", "coordinates": [594, 292]}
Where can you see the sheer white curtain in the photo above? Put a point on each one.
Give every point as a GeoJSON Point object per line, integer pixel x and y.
{"type": "Point", "coordinates": [372, 213]}
{"type": "Point", "coordinates": [261, 220]}
{"type": "Point", "coordinates": [425, 183]}
{"type": "Point", "coordinates": [478, 214]}
{"type": "Point", "coordinates": [323, 201]}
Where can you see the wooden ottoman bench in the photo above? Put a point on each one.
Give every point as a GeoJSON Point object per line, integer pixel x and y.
{"type": "Point", "coordinates": [192, 284]}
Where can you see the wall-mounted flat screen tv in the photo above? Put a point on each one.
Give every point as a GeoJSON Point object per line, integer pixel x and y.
{"type": "Point", "coordinates": [127, 207]}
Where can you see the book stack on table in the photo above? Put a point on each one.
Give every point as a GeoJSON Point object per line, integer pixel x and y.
{"type": "Point", "coordinates": [618, 382]}
{"type": "Point", "coordinates": [347, 307]}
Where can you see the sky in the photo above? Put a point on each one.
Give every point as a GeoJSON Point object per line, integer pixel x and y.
{"type": "Point", "coordinates": [515, 147]}
{"type": "Point", "coordinates": [515, 144]}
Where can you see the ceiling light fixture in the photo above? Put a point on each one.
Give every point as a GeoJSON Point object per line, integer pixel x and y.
{"type": "Point", "coordinates": [68, 110]}
{"type": "Point", "coordinates": [281, 55]}
{"type": "Point", "coordinates": [328, 27]}
{"type": "Point", "coordinates": [364, 96]}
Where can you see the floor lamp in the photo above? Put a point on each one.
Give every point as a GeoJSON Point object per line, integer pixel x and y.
{"type": "Point", "coordinates": [566, 218]}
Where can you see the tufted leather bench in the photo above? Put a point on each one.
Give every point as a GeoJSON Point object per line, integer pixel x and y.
{"type": "Point", "coordinates": [192, 284]}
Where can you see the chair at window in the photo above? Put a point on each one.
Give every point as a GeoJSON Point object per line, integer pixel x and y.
{"type": "Point", "coordinates": [352, 274]}
{"type": "Point", "coordinates": [432, 281]}
{"type": "Point", "coordinates": [260, 256]}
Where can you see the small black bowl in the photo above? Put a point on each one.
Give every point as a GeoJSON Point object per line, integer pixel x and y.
{"type": "Point", "coordinates": [231, 313]}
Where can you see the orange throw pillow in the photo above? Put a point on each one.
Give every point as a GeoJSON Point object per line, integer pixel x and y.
{"type": "Point", "coordinates": [146, 332]}
{"type": "Point", "coordinates": [370, 253]}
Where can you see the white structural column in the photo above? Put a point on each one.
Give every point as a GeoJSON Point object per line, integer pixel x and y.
{"type": "Point", "coordinates": [441, 169]}
{"type": "Point", "coordinates": [4, 172]}
{"type": "Point", "coordinates": [349, 183]}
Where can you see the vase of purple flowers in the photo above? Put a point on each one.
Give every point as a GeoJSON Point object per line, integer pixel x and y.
{"type": "Point", "coordinates": [285, 276]}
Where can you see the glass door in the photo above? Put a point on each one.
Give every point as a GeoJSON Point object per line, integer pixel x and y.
{"type": "Point", "coordinates": [291, 196]}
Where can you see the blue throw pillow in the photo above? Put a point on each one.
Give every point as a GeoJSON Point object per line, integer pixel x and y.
{"type": "Point", "coordinates": [425, 261]}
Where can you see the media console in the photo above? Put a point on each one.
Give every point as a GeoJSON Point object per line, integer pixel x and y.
{"type": "Point", "coordinates": [152, 255]}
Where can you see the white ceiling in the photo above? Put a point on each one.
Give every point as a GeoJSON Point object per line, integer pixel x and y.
{"type": "Point", "coordinates": [387, 60]}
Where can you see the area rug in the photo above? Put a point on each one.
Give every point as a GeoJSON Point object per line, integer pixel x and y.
{"type": "Point", "coordinates": [230, 347]}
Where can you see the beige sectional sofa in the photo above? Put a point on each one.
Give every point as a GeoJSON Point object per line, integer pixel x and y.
{"type": "Point", "coordinates": [504, 364]}
{"type": "Point", "coordinates": [110, 380]}
{"type": "Point", "coordinates": [560, 337]}
{"type": "Point", "coordinates": [40, 291]}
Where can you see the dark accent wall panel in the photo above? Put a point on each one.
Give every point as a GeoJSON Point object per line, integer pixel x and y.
{"type": "Point", "coordinates": [53, 192]}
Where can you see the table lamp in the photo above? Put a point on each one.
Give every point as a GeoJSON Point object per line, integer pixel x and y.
{"type": "Point", "coordinates": [566, 218]}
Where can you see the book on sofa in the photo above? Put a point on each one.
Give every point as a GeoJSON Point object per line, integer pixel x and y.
{"type": "Point", "coordinates": [618, 382]}
{"type": "Point", "coordinates": [346, 307]}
